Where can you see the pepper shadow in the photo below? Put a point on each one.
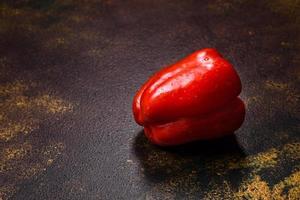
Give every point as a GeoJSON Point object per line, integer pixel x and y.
{"type": "Point", "coordinates": [200, 157]}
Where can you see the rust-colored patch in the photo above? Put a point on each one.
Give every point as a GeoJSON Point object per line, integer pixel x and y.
{"type": "Point", "coordinates": [257, 188]}
{"type": "Point", "coordinates": [224, 6]}
{"type": "Point", "coordinates": [222, 191]}
{"type": "Point", "coordinates": [161, 160]}
{"type": "Point", "coordinates": [288, 188]}
{"type": "Point", "coordinates": [7, 191]}
{"type": "Point", "coordinates": [253, 100]}
{"type": "Point", "coordinates": [254, 189]}
{"type": "Point", "coordinates": [292, 151]}
{"type": "Point", "coordinates": [185, 182]}
{"type": "Point", "coordinates": [45, 156]}
{"type": "Point", "coordinates": [290, 7]}
{"type": "Point", "coordinates": [16, 102]}
{"type": "Point", "coordinates": [276, 85]}
{"type": "Point", "coordinates": [20, 114]}
{"type": "Point", "coordinates": [15, 152]}
{"type": "Point", "coordinates": [11, 129]}
{"type": "Point", "coordinates": [257, 162]}
{"type": "Point", "coordinates": [52, 104]}
{"type": "Point", "coordinates": [284, 91]}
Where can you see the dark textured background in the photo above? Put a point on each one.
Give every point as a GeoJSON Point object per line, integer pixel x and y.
{"type": "Point", "coordinates": [68, 73]}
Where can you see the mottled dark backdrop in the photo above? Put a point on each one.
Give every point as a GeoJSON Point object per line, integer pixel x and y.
{"type": "Point", "coordinates": [68, 73]}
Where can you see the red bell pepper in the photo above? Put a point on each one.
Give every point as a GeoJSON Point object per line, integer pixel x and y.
{"type": "Point", "coordinates": [193, 99]}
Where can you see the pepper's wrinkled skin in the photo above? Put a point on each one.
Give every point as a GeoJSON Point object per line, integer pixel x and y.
{"type": "Point", "coordinates": [193, 99]}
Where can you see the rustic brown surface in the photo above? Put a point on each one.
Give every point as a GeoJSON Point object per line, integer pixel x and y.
{"type": "Point", "coordinates": [68, 73]}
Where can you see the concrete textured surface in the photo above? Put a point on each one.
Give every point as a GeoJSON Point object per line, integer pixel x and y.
{"type": "Point", "coordinates": [68, 73]}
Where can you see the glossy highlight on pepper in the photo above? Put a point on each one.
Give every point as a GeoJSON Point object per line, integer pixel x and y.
{"type": "Point", "coordinates": [193, 99]}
